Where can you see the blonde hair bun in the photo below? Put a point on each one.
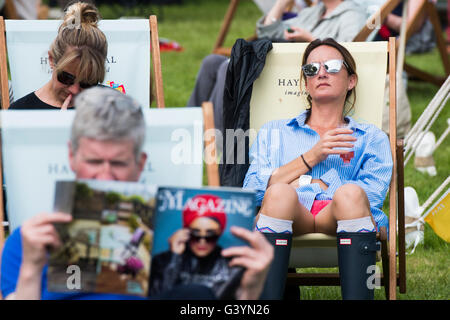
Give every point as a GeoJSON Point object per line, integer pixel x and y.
{"type": "Point", "coordinates": [81, 13]}
{"type": "Point", "coordinates": [79, 38]}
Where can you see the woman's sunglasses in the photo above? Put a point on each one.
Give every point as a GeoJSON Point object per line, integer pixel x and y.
{"type": "Point", "coordinates": [331, 66]}
{"type": "Point", "coordinates": [69, 79]}
{"type": "Point", "coordinates": [209, 237]}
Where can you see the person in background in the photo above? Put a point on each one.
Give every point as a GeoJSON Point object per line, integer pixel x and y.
{"type": "Point", "coordinates": [422, 35]}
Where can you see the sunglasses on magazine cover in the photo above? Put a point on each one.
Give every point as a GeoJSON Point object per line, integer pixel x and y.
{"type": "Point", "coordinates": [210, 237]}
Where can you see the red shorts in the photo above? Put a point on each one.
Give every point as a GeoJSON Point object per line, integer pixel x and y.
{"type": "Point", "coordinates": [318, 205]}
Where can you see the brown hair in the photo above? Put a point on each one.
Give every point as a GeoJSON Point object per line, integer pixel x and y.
{"type": "Point", "coordinates": [80, 38]}
{"type": "Point", "coordinates": [350, 67]}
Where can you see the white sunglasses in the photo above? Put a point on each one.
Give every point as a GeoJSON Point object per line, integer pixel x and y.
{"type": "Point", "coordinates": [331, 66]}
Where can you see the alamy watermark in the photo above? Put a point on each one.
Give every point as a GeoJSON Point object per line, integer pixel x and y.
{"type": "Point", "coordinates": [73, 282]}
{"type": "Point", "coordinates": [74, 22]}
{"type": "Point", "coordinates": [374, 22]}
{"type": "Point", "coordinates": [183, 152]}
{"type": "Point", "coordinates": [374, 279]}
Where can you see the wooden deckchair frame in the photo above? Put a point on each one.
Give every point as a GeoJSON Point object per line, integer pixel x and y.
{"type": "Point", "coordinates": [212, 169]}
{"type": "Point", "coordinates": [156, 83]}
{"type": "Point", "coordinates": [10, 10]}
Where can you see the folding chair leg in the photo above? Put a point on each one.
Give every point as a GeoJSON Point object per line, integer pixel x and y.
{"type": "Point", "coordinates": [291, 291]}
{"type": "Point", "coordinates": [385, 263]}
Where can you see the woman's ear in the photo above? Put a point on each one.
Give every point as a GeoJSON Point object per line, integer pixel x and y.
{"type": "Point", "coordinates": [303, 80]}
{"type": "Point", "coordinates": [352, 81]}
{"type": "Point", "coordinates": [51, 61]}
{"type": "Point", "coordinates": [71, 156]}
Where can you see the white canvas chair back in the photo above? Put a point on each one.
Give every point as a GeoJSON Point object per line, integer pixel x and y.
{"type": "Point", "coordinates": [277, 95]}
{"type": "Point", "coordinates": [128, 59]}
{"type": "Point", "coordinates": [35, 155]}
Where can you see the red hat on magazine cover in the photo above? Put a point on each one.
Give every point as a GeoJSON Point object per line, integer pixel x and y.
{"type": "Point", "coordinates": [205, 205]}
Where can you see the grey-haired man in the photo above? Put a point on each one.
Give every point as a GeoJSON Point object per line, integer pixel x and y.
{"type": "Point", "coordinates": [106, 142]}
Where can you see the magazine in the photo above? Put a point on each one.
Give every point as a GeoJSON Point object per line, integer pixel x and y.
{"type": "Point", "coordinates": [136, 239]}
{"type": "Point", "coordinates": [193, 226]}
{"type": "Point", "coordinates": [109, 239]}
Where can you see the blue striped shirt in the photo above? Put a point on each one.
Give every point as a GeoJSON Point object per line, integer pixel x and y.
{"type": "Point", "coordinates": [281, 141]}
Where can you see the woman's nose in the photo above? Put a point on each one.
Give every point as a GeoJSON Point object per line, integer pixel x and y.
{"type": "Point", "coordinates": [322, 70]}
{"type": "Point", "coordinates": [75, 88]}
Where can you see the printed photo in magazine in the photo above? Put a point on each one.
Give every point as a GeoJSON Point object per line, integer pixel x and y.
{"type": "Point", "coordinates": [192, 227]}
{"type": "Point", "coordinates": [108, 241]}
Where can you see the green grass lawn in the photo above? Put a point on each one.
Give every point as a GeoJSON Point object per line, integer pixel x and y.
{"type": "Point", "coordinates": [195, 25]}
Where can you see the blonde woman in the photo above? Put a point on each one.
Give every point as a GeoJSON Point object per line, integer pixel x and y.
{"type": "Point", "coordinates": [77, 58]}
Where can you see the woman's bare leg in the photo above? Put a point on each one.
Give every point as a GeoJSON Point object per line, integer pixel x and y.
{"type": "Point", "coordinates": [281, 202]}
{"type": "Point", "coordinates": [349, 202]}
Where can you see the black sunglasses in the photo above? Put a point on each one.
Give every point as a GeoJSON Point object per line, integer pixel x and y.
{"type": "Point", "coordinates": [209, 237]}
{"type": "Point", "coordinates": [69, 79]}
{"type": "Point", "coordinates": [331, 66]}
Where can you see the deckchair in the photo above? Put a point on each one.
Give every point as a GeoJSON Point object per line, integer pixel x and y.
{"type": "Point", "coordinates": [276, 95]}
{"type": "Point", "coordinates": [174, 145]}
{"type": "Point", "coordinates": [275, 102]}
{"type": "Point", "coordinates": [425, 8]}
{"type": "Point", "coordinates": [128, 61]}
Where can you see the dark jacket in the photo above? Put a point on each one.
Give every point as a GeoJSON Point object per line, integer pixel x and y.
{"type": "Point", "coordinates": [246, 63]}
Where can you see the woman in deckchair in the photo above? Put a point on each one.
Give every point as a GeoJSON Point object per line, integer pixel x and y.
{"type": "Point", "coordinates": [324, 172]}
{"type": "Point", "coordinates": [77, 58]}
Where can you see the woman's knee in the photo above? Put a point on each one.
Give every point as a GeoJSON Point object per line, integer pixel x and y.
{"type": "Point", "coordinates": [351, 198]}
{"type": "Point", "coordinates": [350, 193]}
{"type": "Point", "coordinates": [281, 191]}
{"type": "Point", "coordinates": [280, 201]}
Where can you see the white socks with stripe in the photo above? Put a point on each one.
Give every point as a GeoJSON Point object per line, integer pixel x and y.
{"type": "Point", "coordinates": [274, 225]}
{"type": "Point", "coordinates": [356, 225]}
{"type": "Point", "coordinates": [268, 224]}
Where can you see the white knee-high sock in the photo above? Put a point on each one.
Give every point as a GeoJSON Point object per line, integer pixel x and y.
{"type": "Point", "coordinates": [356, 225]}
{"type": "Point", "coordinates": [273, 225]}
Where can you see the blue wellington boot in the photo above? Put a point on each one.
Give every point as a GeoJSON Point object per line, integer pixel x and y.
{"type": "Point", "coordinates": [276, 277]}
{"type": "Point", "coordinates": [357, 261]}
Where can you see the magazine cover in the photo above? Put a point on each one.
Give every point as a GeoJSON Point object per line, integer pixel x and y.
{"type": "Point", "coordinates": [109, 239]}
{"type": "Point", "coordinates": [192, 227]}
